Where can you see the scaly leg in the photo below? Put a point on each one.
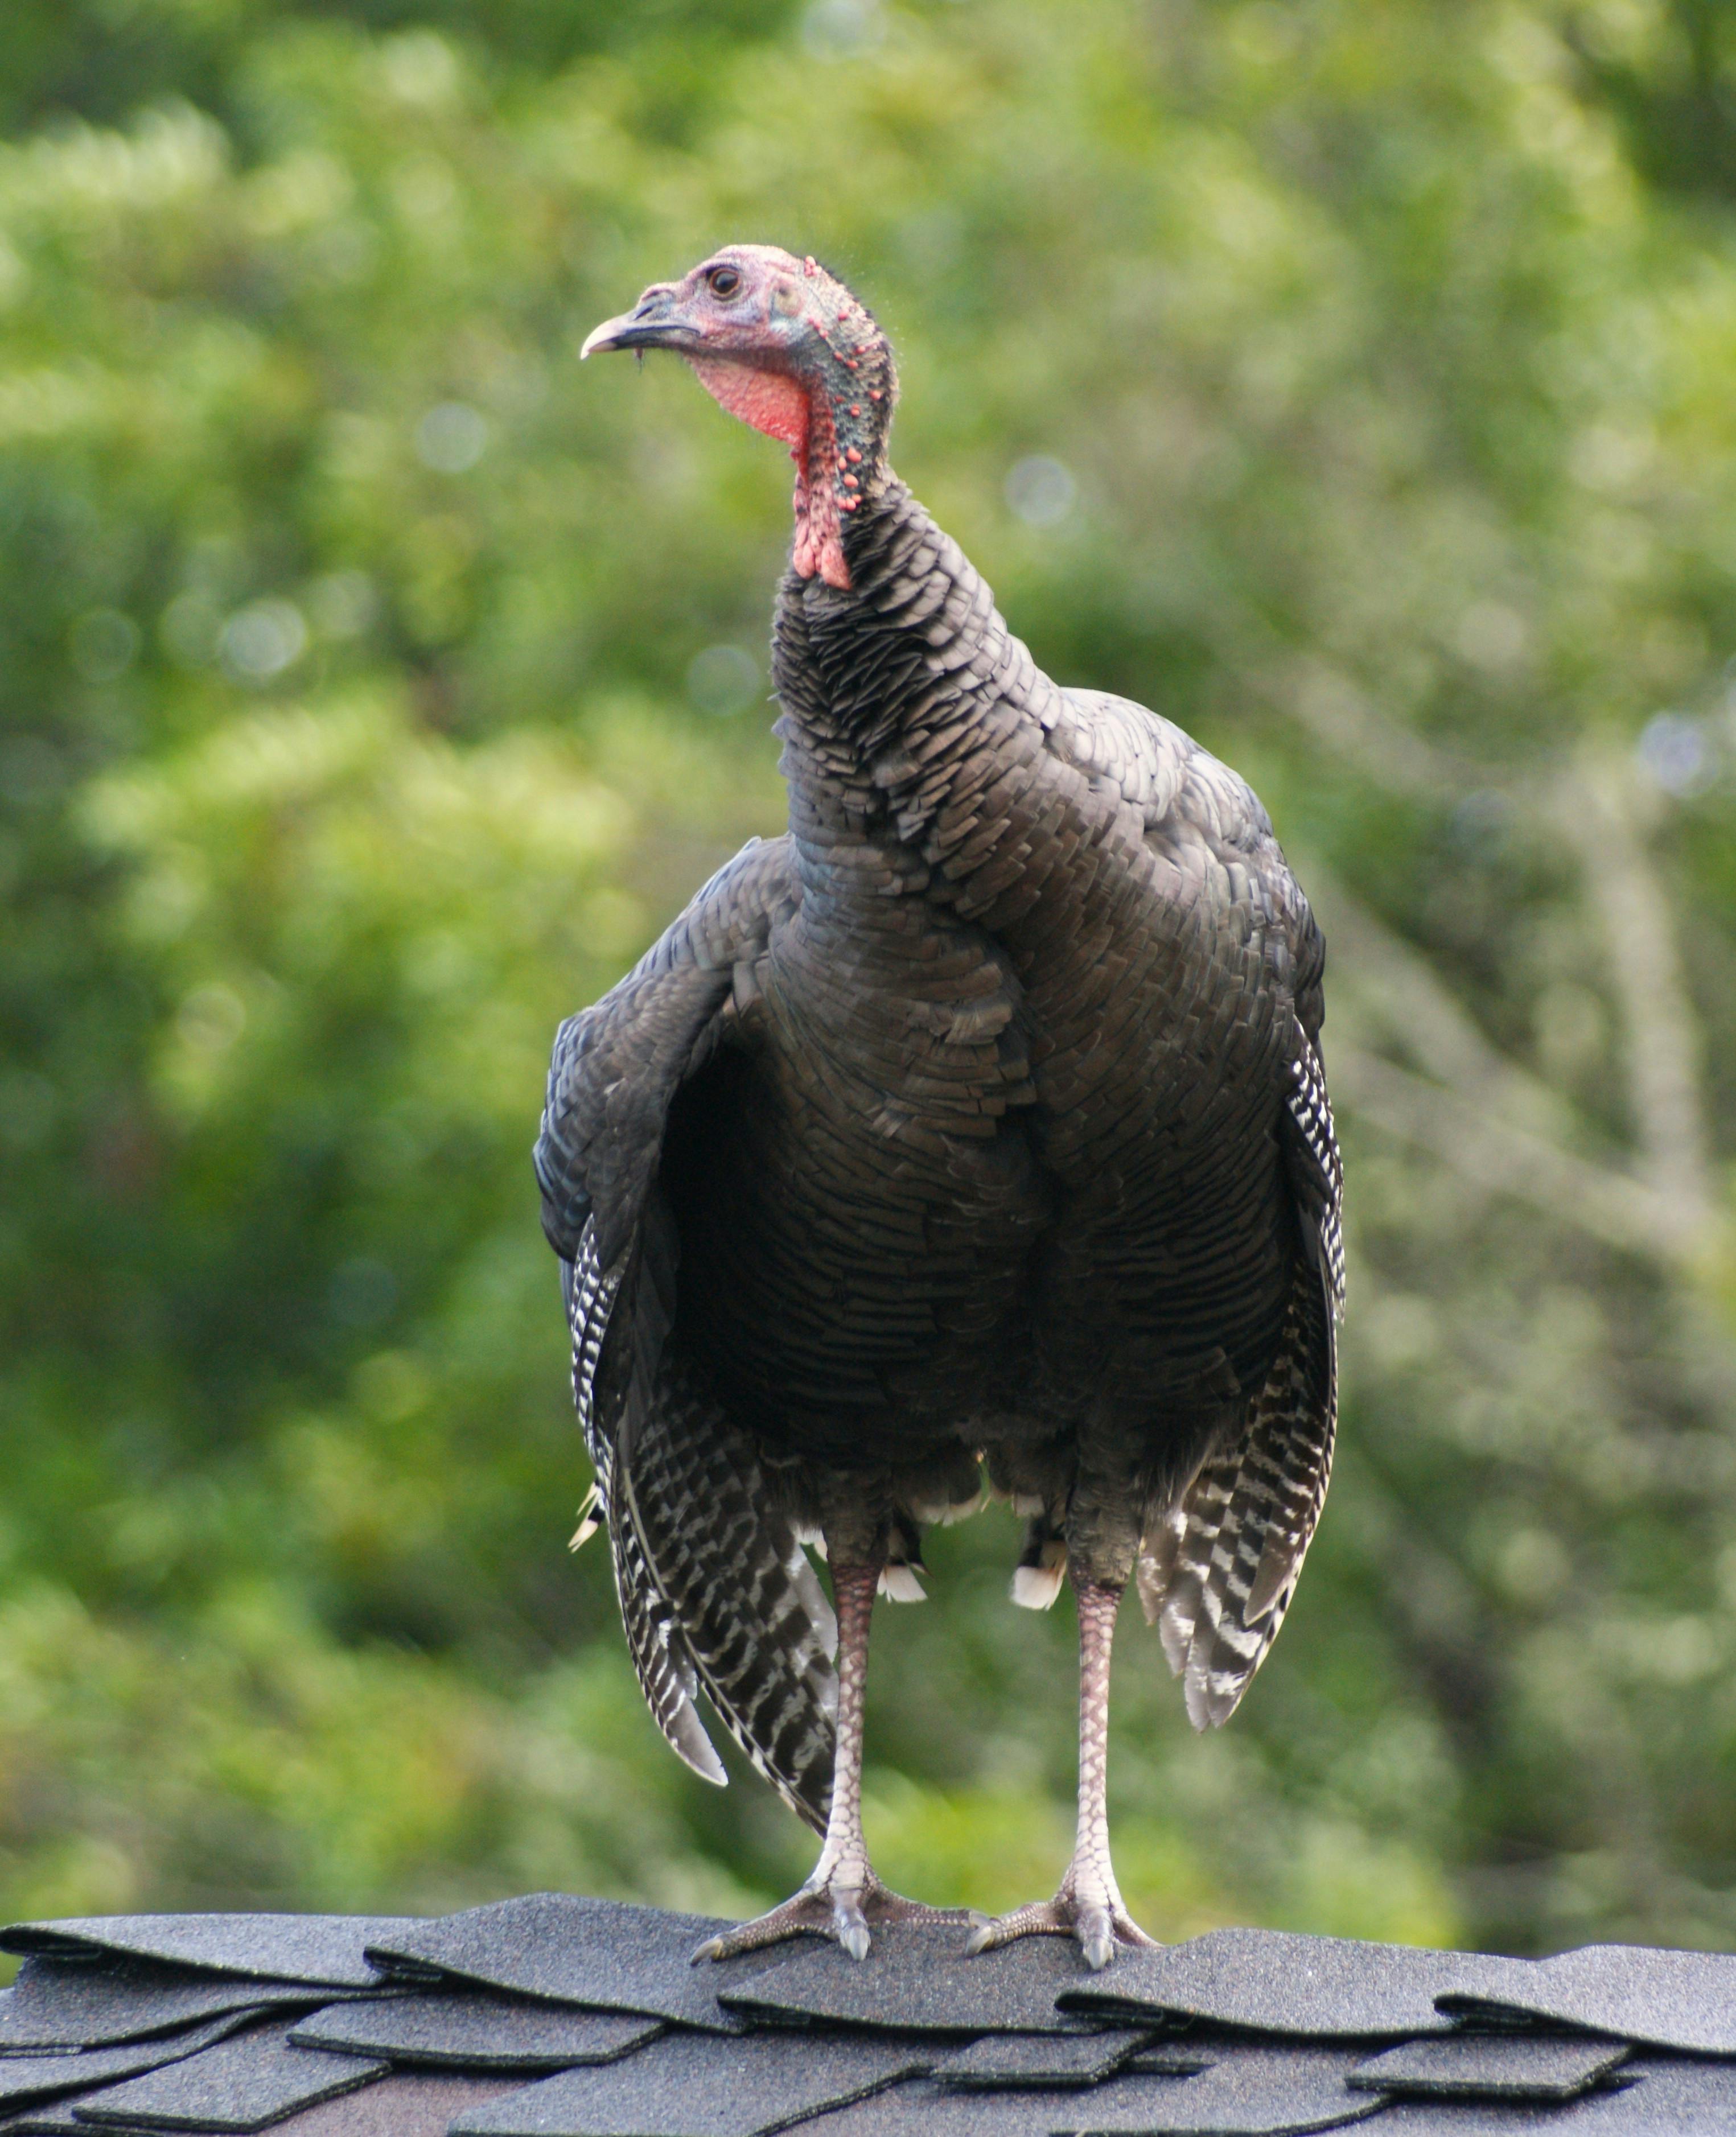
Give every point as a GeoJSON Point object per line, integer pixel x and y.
{"type": "Point", "coordinates": [1088, 1904]}
{"type": "Point", "coordinates": [843, 1897]}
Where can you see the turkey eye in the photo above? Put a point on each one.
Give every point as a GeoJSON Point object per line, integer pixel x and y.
{"type": "Point", "coordinates": [724, 281]}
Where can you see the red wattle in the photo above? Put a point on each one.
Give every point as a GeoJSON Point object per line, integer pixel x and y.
{"type": "Point", "coordinates": [772, 402]}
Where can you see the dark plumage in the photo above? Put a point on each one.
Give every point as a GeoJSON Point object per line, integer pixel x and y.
{"type": "Point", "coordinates": [978, 1120]}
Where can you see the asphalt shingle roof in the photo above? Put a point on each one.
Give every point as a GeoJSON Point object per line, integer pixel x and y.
{"type": "Point", "coordinates": [1270, 1981]}
{"type": "Point", "coordinates": [25, 2080]}
{"type": "Point", "coordinates": [597, 1953]}
{"type": "Point", "coordinates": [324, 1951]}
{"type": "Point", "coordinates": [555, 2017]}
{"type": "Point", "coordinates": [920, 1984]}
{"type": "Point", "coordinates": [53, 2006]}
{"type": "Point", "coordinates": [1009, 2061]}
{"type": "Point", "coordinates": [1668, 1999]}
{"type": "Point", "coordinates": [477, 2032]}
{"type": "Point", "coordinates": [1491, 2066]}
{"type": "Point", "coordinates": [244, 2083]}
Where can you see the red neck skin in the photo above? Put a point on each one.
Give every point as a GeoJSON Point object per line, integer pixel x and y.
{"type": "Point", "coordinates": [831, 470]}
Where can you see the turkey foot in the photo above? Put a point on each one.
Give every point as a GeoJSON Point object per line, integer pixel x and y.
{"type": "Point", "coordinates": [1088, 1906]}
{"type": "Point", "coordinates": [843, 1899]}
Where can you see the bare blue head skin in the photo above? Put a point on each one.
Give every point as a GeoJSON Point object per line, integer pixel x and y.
{"type": "Point", "coordinates": [783, 345]}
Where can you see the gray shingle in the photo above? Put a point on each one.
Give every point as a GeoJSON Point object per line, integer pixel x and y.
{"type": "Point", "coordinates": [1000, 2060]}
{"type": "Point", "coordinates": [324, 1950]}
{"type": "Point", "coordinates": [603, 1979]}
{"type": "Point", "coordinates": [423, 2105]}
{"type": "Point", "coordinates": [25, 2079]}
{"type": "Point", "coordinates": [1660, 2093]}
{"type": "Point", "coordinates": [54, 2005]}
{"type": "Point", "coordinates": [1657, 2097]}
{"type": "Point", "coordinates": [689, 2085]}
{"type": "Point", "coordinates": [53, 2119]}
{"type": "Point", "coordinates": [1248, 2092]}
{"type": "Point", "coordinates": [1178, 2056]}
{"type": "Point", "coordinates": [592, 1952]}
{"type": "Point", "coordinates": [475, 2031]}
{"type": "Point", "coordinates": [244, 2085]}
{"type": "Point", "coordinates": [1481, 2118]}
{"type": "Point", "coordinates": [401, 2105]}
{"type": "Point", "coordinates": [1269, 1981]}
{"type": "Point", "coordinates": [1667, 1999]}
{"type": "Point", "coordinates": [918, 1979]}
{"type": "Point", "coordinates": [927, 2110]}
{"type": "Point", "coordinates": [1492, 2065]}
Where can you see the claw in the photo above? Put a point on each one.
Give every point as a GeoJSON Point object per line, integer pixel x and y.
{"type": "Point", "coordinates": [1096, 1937]}
{"type": "Point", "coordinates": [1101, 1926]}
{"type": "Point", "coordinates": [847, 1914]}
{"type": "Point", "coordinates": [849, 1923]}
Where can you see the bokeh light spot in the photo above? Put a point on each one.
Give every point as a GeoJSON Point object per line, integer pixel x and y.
{"type": "Point", "coordinates": [1677, 751]}
{"type": "Point", "coordinates": [1041, 491]}
{"type": "Point", "coordinates": [842, 29]}
{"type": "Point", "coordinates": [724, 680]}
{"type": "Point", "coordinates": [211, 1018]}
{"type": "Point", "coordinates": [451, 437]}
{"type": "Point", "coordinates": [260, 641]}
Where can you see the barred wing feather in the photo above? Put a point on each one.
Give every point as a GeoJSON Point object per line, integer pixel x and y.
{"type": "Point", "coordinates": [715, 1592]}
{"type": "Point", "coordinates": [1217, 1575]}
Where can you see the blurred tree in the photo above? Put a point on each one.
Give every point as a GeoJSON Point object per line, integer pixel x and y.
{"type": "Point", "coordinates": [1669, 73]}
{"type": "Point", "coordinates": [1345, 382]}
{"type": "Point", "coordinates": [104, 60]}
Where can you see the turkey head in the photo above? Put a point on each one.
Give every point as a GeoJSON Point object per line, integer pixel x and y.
{"type": "Point", "coordinates": [783, 345]}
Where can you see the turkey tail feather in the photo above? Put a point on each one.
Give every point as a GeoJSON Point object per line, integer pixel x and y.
{"type": "Point", "coordinates": [752, 1618]}
{"type": "Point", "coordinates": [1217, 1575]}
{"type": "Point", "coordinates": [662, 1660]}
{"type": "Point", "coordinates": [715, 1592]}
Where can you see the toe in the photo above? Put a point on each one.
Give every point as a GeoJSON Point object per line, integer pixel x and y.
{"type": "Point", "coordinates": [1040, 1919]}
{"type": "Point", "coordinates": [846, 1907]}
{"type": "Point", "coordinates": [804, 1916]}
{"type": "Point", "coordinates": [849, 1923]}
{"type": "Point", "coordinates": [1096, 1935]}
{"type": "Point", "coordinates": [1100, 1927]}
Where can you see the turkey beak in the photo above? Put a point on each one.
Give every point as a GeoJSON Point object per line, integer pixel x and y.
{"type": "Point", "coordinates": [654, 321]}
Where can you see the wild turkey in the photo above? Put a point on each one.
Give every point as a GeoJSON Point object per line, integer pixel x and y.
{"type": "Point", "coordinates": [976, 1123]}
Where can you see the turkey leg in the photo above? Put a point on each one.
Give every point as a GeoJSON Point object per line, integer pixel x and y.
{"type": "Point", "coordinates": [1088, 1904]}
{"type": "Point", "coordinates": [843, 1898]}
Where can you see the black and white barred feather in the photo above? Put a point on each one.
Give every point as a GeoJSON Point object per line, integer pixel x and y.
{"type": "Point", "coordinates": [715, 1591]}
{"type": "Point", "coordinates": [590, 1295]}
{"type": "Point", "coordinates": [1317, 1170]}
{"type": "Point", "coordinates": [741, 1602]}
{"type": "Point", "coordinates": [1217, 1574]}
{"type": "Point", "coordinates": [665, 1667]}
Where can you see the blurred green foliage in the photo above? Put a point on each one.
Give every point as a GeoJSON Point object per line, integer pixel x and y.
{"type": "Point", "coordinates": [1350, 382]}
